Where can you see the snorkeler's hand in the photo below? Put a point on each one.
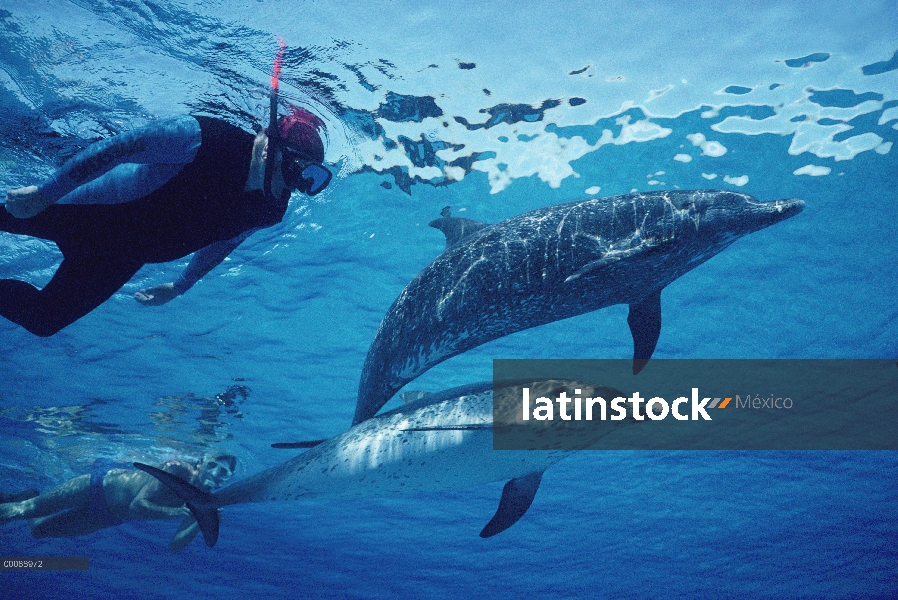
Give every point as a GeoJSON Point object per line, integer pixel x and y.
{"type": "Point", "coordinates": [25, 202]}
{"type": "Point", "coordinates": [156, 295]}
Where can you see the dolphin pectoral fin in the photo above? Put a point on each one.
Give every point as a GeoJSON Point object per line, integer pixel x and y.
{"type": "Point", "coordinates": [596, 264]}
{"type": "Point", "coordinates": [645, 325]}
{"type": "Point", "coordinates": [202, 505]}
{"type": "Point", "coordinates": [611, 257]}
{"type": "Point", "coordinates": [292, 445]}
{"type": "Point", "coordinates": [517, 496]}
{"type": "Point", "coordinates": [469, 427]}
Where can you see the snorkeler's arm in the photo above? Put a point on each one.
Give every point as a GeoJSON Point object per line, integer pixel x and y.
{"type": "Point", "coordinates": [143, 506]}
{"type": "Point", "coordinates": [184, 535]}
{"type": "Point", "coordinates": [155, 501]}
{"type": "Point", "coordinates": [203, 261]}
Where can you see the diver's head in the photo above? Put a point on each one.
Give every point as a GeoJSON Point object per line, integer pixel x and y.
{"type": "Point", "coordinates": [215, 471]}
{"type": "Point", "coordinates": [298, 138]}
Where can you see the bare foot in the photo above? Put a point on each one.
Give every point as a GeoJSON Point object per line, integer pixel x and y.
{"type": "Point", "coordinates": [26, 202]}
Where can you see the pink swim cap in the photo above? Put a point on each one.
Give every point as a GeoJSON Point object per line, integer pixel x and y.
{"type": "Point", "coordinates": [300, 129]}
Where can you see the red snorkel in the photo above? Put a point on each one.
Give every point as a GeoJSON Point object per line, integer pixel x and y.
{"type": "Point", "coordinates": [273, 116]}
{"type": "Point", "coordinates": [299, 170]}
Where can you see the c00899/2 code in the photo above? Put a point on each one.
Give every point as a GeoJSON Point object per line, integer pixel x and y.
{"type": "Point", "coordinates": [49, 563]}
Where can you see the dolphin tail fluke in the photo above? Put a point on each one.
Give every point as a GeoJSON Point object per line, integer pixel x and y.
{"type": "Point", "coordinates": [517, 496]}
{"type": "Point", "coordinates": [202, 505]}
{"type": "Point", "coordinates": [645, 325]}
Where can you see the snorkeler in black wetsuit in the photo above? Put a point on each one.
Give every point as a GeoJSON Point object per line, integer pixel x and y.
{"type": "Point", "coordinates": [156, 194]}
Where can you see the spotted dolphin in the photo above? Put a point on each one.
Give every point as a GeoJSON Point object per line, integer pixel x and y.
{"type": "Point", "coordinates": [550, 264]}
{"type": "Point", "coordinates": [439, 442]}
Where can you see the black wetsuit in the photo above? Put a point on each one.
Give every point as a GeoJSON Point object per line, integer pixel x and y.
{"type": "Point", "coordinates": [104, 245]}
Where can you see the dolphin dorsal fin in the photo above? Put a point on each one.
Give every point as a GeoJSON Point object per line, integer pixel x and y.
{"type": "Point", "coordinates": [455, 228]}
{"type": "Point", "coordinates": [517, 496]}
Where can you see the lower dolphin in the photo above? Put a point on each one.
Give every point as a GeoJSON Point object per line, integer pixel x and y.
{"type": "Point", "coordinates": [550, 264]}
{"type": "Point", "coordinates": [440, 442]}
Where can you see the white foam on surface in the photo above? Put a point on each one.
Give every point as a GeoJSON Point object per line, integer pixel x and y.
{"type": "Point", "coordinates": [696, 54]}
{"type": "Point", "coordinates": [612, 76]}
{"type": "Point", "coordinates": [889, 114]}
{"type": "Point", "coordinates": [812, 170]}
{"type": "Point", "coordinates": [738, 181]}
{"type": "Point", "coordinates": [545, 154]}
{"type": "Point", "coordinates": [827, 148]}
{"type": "Point", "coordinates": [709, 148]}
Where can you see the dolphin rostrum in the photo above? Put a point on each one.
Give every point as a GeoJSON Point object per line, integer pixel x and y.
{"type": "Point", "coordinates": [442, 441]}
{"type": "Point", "coordinates": [550, 264]}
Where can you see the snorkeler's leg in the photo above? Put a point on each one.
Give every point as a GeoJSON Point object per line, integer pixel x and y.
{"type": "Point", "coordinates": [97, 261]}
{"type": "Point", "coordinates": [71, 494]}
{"type": "Point", "coordinates": [172, 141]}
{"type": "Point", "coordinates": [53, 223]}
{"type": "Point", "coordinates": [124, 183]}
{"type": "Point", "coordinates": [77, 521]}
{"type": "Point", "coordinates": [84, 280]}
{"type": "Point", "coordinates": [19, 301]}
{"type": "Point", "coordinates": [18, 496]}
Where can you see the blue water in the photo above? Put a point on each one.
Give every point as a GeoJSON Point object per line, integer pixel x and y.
{"type": "Point", "coordinates": [492, 109]}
